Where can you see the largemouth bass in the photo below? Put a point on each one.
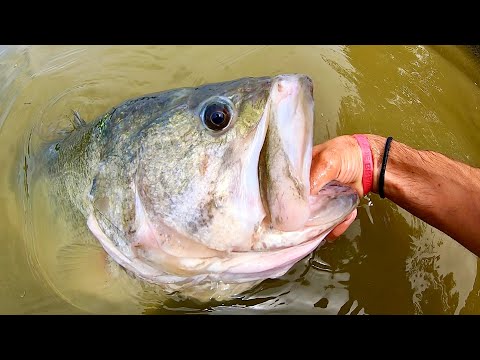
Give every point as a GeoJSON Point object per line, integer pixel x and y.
{"type": "Point", "coordinates": [205, 185]}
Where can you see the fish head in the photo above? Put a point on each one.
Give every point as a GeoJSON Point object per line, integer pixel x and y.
{"type": "Point", "coordinates": [211, 184]}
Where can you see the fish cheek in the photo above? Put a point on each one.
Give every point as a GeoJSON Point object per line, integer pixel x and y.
{"type": "Point", "coordinates": [113, 202]}
{"type": "Point", "coordinates": [203, 165]}
{"type": "Point", "coordinates": [204, 217]}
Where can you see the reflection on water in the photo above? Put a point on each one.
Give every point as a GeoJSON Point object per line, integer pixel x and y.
{"type": "Point", "coordinates": [386, 262]}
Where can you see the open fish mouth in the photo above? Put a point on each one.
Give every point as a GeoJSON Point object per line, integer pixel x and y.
{"type": "Point", "coordinates": [285, 159]}
{"type": "Point", "coordinates": [284, 171]}
{"type": "Point", "coordinates": [295, 222]}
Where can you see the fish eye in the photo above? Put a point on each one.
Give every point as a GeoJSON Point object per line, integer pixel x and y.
{"type": "Point", "coordinates": [216, 115]}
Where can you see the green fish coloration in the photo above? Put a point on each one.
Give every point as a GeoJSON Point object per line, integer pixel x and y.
{"type": "Point", "coordinates": [202, 187]}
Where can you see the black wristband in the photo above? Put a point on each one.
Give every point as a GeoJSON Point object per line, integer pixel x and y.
{"type": "Point", "coordinates": [381, 180]}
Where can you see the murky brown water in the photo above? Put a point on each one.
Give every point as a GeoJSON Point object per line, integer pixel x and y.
{"type": "Point", "coordinates": [387, 261]}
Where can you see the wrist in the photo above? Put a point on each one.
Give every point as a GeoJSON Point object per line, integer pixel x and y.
{"type": "Point", "coordinates": [367, 162]}
{"type": "Point", "coordinates": [377, 146]}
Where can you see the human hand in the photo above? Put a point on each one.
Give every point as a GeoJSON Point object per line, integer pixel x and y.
{"type": "Point", "coordinates": [338, 159]}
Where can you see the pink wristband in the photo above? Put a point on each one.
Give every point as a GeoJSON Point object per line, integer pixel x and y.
{"type": "Point", "coordinates": [367, 177]}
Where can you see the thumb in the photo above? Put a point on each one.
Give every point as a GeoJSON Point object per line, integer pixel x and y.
{"type": "Point", "coordinates": [322, 171]}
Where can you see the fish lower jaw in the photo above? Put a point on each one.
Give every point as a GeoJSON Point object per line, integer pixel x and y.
{"type": "Point", "coordinates": [260, 265]}
{"type": "Point", "coordinates": [233, 268]}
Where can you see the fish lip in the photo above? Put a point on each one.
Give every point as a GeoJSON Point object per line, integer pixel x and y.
{"type": "Point", "coordinates": [299, 170]}
{"type": "Point", "coordinates": [272, 263]}
{"type": "Point", "coordinates": [341, 193]}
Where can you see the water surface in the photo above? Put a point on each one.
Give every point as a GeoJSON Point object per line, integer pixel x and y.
{"type": "Point", "coordinates": [388, 262]}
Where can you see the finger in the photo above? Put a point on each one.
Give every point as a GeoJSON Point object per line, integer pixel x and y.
{"type": "Point", "coordinates": [341, 228]}
{"type": "Point", "coordinates": [317, 149]}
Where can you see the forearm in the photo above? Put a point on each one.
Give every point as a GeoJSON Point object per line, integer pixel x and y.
{"type": "Point", "coordinates": [436, 189]}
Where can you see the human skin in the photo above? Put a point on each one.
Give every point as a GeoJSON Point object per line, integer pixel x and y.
{"type": "Point", "coordinates": [442, 192]}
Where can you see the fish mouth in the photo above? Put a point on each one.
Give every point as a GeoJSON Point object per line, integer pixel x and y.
{"type": "Point", "coordinates": [284, 171]}
{"type": "Point", "coordinates": [285, 157]}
